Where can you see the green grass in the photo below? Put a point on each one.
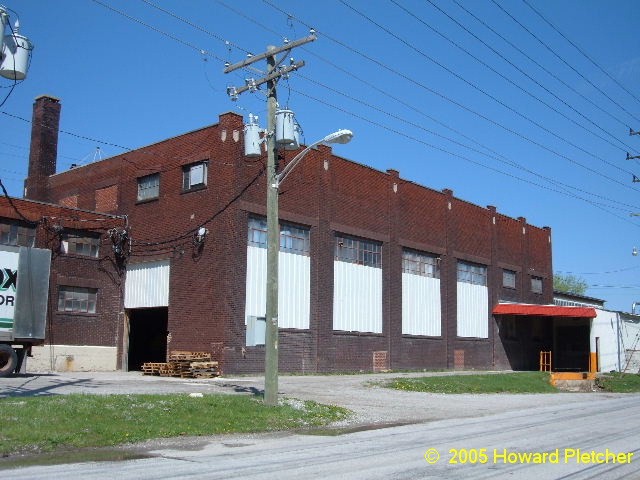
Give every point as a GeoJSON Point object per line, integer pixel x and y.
{"type": "Point", "coordinates": [44, 424]}
{"type": "Point", "coordinates": [619, 383]}
{"type": "Point", "coordinates": [521, 382]}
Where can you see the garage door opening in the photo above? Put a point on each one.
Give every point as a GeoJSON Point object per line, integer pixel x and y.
{"type": "Point", "coordinates": [147, 336]}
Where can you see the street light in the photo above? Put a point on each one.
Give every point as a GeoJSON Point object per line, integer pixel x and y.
{"type": "Point", "coordinates": [273, 248]}
{"type": "Point", "coordinates": [341, 136]}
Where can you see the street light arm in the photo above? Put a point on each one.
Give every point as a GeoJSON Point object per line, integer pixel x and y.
{"type": "Point", "coordinates": [341, 136]}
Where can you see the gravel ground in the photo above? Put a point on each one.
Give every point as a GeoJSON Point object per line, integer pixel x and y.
{"type": "Point", "coordinates": [363, 394]}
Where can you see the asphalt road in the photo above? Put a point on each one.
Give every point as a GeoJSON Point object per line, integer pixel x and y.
{"type": "Point", "coordinates": [484, 433]}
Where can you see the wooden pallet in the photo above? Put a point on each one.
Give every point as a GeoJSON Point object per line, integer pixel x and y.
{"type": "Point", "coordinates": [152, 368]}
{"type": "Point", "coordinates": [185, 355]}
{"type": "Point", "coordinates": [184, 365]}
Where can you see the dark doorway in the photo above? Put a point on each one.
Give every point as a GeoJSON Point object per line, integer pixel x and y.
{"type": "Point", "coordinates": [571, 347]}
{"type": "Point", "coordinates": [147, 336]}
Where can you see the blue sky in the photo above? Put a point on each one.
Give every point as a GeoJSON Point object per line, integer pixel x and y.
{"type": "Point", "coordinates": [483, 97]}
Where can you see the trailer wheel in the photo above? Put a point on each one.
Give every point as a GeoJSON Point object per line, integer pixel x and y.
{"type": "Point", "coordinates": [8, 360]}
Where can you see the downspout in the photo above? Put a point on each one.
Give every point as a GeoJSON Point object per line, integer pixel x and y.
{"type": "Point", "coordinates": [618, 335]}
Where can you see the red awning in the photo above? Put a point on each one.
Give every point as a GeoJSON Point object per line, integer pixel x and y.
{"type": "Point", "coordinates": [543, 310]}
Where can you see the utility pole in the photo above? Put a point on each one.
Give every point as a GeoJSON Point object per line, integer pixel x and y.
{"type": "Point", "coordinates": [274, 73]}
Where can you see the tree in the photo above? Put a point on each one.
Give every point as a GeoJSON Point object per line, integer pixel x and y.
{"type": "Point", "coordinates": [568, 283]}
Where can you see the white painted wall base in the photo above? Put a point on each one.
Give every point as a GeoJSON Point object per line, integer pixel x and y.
{"type": "Point", "coordinates": [72, 358]}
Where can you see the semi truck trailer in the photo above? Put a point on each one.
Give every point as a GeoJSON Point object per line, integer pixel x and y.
{"type": "Point", "coordinates": [24, 296]}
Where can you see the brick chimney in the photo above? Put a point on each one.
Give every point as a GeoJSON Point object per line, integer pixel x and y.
{"type": "Point", "coordinates": [44, 147]}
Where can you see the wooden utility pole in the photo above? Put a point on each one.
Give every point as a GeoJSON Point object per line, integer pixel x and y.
{"type": "Point", "coordinates": [273, 230]}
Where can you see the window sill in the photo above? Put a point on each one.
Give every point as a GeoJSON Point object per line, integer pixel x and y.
{"type": "Point", "coordinates": [77, 255]}
{"type": "Point", "coordinates": [77, 314]}
{"type": "Point", "coordinates": [348, 333]}
{"type": "Point", "coordinates": [197, 188]}
{"type": "Point", "coordinates": [422, 337]}
{"type": "Point", "coordinates": [148, 200]}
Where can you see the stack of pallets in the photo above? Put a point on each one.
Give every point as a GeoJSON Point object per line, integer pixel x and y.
{"type": "Point", "coordinates": [184, 364]}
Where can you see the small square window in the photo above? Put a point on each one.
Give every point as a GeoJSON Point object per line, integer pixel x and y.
{"type": "Point", "coordinates": [536, 284]}
{"type": "Point", "coordinates": [149, 187]}
{"type": "Point", "coordinates": [77, 299]}
{"type": "Point", "coordinates": [509, 279]}
{"type": "Point", "coordinates": [194, 176]}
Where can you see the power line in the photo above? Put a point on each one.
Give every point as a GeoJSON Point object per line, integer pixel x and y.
{"type": "Point", "coordinates": [451, 100]}
{"type": "Point", "coordinates": [435, 147]}
{"type": "Point", "coordinates": [542, 67]}
{"type": "Point", "coordinates": [511, 163]}
{"type": "Point", "coordinates": [157, 30]}
{"type": "Point", "coordinates": [492, 97]}
{"type": "Point", "coordinates": [580, 50]}
{"type": "Point", "coordinates": [197, 27]}
{"type": "Point", "coordinates": [500, 158]}
{"type": "Point", "coordinates": [601, 273]}
{"type": "Point", "coordinates": [421, 112]}
{"type": "Point", "coordinates": [565, 62]}
{"type": "Point", "coordinates": [523, 72]}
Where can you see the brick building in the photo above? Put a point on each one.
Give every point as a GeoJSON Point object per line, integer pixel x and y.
{"type": "Point", "coordinates": [84, 323]}
{"type": "Point", "coordinates": [373, 268]}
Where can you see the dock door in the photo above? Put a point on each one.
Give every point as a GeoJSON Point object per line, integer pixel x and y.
{"type": "Point", "coordinates": [146, 304]}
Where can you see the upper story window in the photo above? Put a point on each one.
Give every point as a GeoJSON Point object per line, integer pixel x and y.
{"type": "Point", "coordinates": [194, 176]}
{"type": "Point", "coordinates": [15, 234]}
{"type": "Point", "coordinates": [536, 284]}
{"type": "Point", "coordinates": [422, 264]}
{"type": "Point", "coordinates": [77, 244]}
{"type": "Point", "coordinates": [359, 251]}
{"type": "Point", "coordinates": [293, 238]}
{"type": "Point", "coordinates": [509, 279]}
{"type": "Point", "coordinates": [149, 187]}
{"type": "Point", "coordinates": [77, 299]}
{"type": "Point", "coordinates": [472, 273]}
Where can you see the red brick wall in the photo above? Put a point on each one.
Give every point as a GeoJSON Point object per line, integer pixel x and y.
{"type": "Point", "coordinates": [103, 328]}
{"type": "Point", "coordinates": [330, 195]}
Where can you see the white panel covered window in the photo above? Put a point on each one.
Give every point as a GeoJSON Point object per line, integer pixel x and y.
{"type": "Point", "coordinates": [294, 276]}
{"type": "Point", "coordinates": [357, 285]}
{"type": "Point", "coordinates": [194, 175]}
{"type": "Point", "coordinates": [421, 305]}
{"type": "Point", "coordinates": [472, 301]}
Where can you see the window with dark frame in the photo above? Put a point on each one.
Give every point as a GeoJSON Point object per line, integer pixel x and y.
{"type": "Point", "coordinates": [423, 264]}
{"type": "Point", "coordinates": [358, 251]}
{"type": "Point", "coordinates": [77, 244]}
{"type": "Point", "coordinates": [77, 299]}
{"type": "Point", "coordinates": [536, 284]}
{"type": "Point", "coordinates": [293, 238]}
{"type": "Point", "coordinates": [194, 176]}
{"type": "Point", "coordinates": [149, 187]}
{"type": "Point", "coordinates": [509, 279]}
{"type": "Point", "coordinates": [472, 273]}
{"type": "Point", "coordinates": [12, 233]}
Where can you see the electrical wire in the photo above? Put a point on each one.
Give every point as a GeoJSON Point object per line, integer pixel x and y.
{"type": "Point", "coordinates": [564, 61]}
{"type": "Point", "coordinates": [197, 27]}
{"type": "Point", "coordinates": [580, 50]}
{"type": "Point", "coordinates": [484, 92]}
{"type": "Point", "coordinates": [501, 158]}
{"type": "Point", "coordinates": [462, 157]}
{"type": "Point", "coordinates": [157, 30]}
{"type": "Point", "coordinates": [451, 100]}
{"type": "Point", "coordinates": [626, 148]}
{"type": "Point", "coordinates": [539, 65]}
{"type": "Point", "coordinates": [14, 207]}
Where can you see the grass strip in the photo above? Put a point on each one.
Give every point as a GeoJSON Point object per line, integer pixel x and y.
{"type": "Point", "coordinates": [44, 424]}
{"type": "Point", "coordinates": [521, 382]}
{"type": "Point", "coordinates": [619, 382]}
